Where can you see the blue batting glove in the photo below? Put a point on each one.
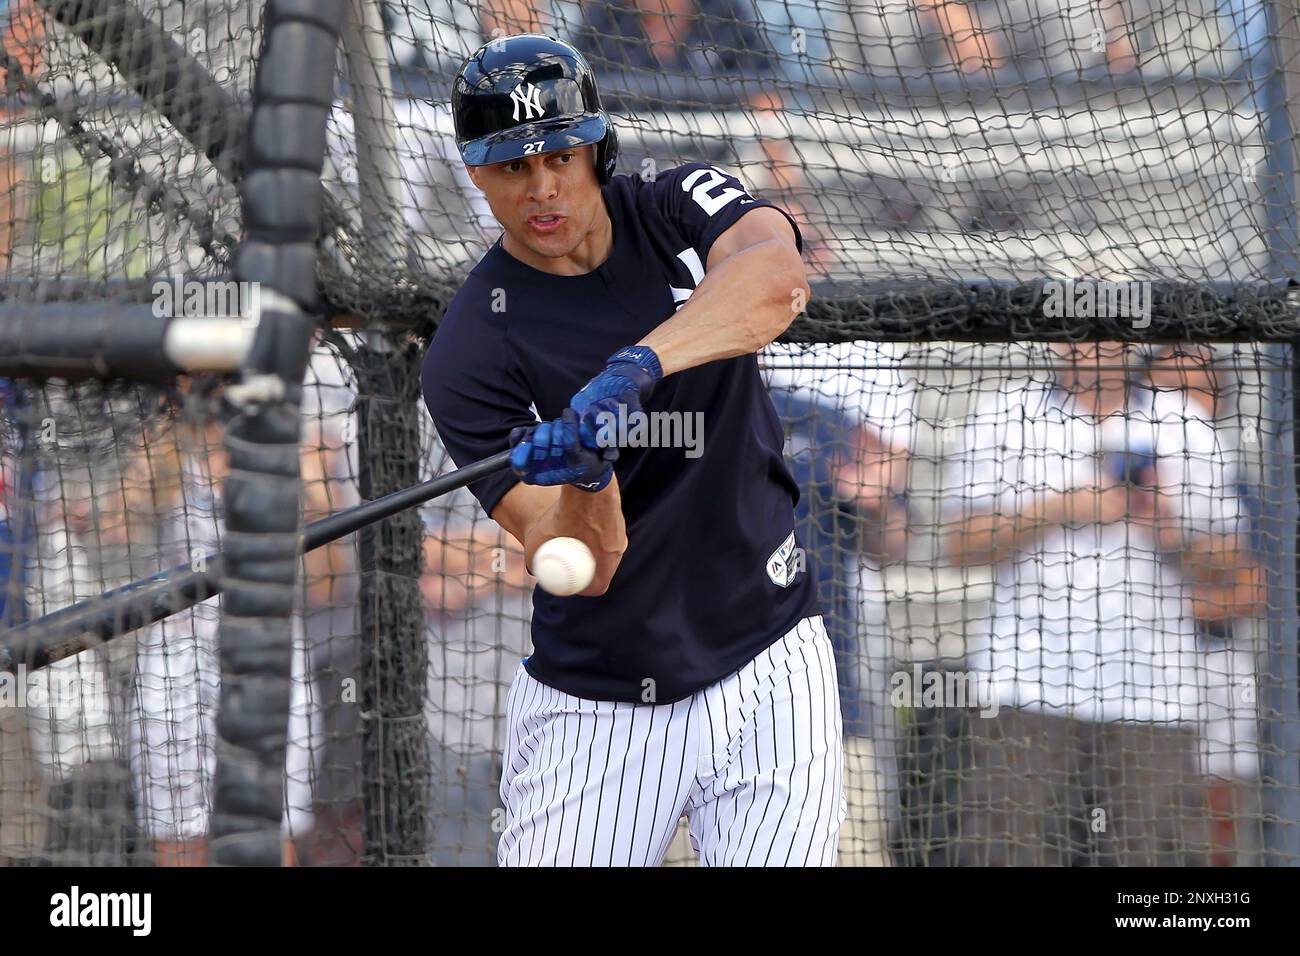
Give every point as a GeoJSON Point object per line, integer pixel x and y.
{"type": "Point", "coordinates": [628, 379]}
{"type": "Point", "coordinates": [561, 452]}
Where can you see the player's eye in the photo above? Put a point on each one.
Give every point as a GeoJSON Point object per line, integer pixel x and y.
{"type": "Point", "coordinates": [564, 157]}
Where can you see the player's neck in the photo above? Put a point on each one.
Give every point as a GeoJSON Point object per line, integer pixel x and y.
{"type": "Point", "coordinates": [586, 256]}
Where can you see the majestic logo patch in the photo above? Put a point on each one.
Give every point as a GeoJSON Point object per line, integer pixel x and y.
{"type": "Point", "coordinates": [527, 97]}
{"type": "Point", "coordinates": [785, 562]}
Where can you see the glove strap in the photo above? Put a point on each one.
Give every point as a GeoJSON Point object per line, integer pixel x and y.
{"type": "Point", "coordinates": [643, 357]}
{"type": "Point", "coordinates": [598, 485]}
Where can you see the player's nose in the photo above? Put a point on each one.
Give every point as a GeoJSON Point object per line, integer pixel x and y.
{"type": "Point", "coordinates": [543, 183]}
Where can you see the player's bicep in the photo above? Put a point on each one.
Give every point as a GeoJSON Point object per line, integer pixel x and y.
{"type": "Point", "coordinates": [522, 507]}
{"type": "Point", "coordinates": [764, 224]}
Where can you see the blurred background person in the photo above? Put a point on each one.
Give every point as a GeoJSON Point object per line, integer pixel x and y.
{"type": "Point", "coordinates": [177, 675]}
{"type": "Point", "coordinates": [1229, 599]}
{"type": "Point", "coordinates": [913, 39]}
{"type": "Point", "coordinates": [437, 35]}
{"type": "Point", "coordinates": [22, 784]}
{"type": "Point", "coordinates": [324, 766]}
{"type": "Point", "coordinates": [1069, 36]}
{"type": "Point", "coordinates": [772, 168]}
{"type": "Point", "coordinates": [99, 512]}
{"type": "Point", "coordinates": [954, 28]}
{"type": "Point", "coordinates": [702, 38]}
{"type": "Point", "coordinates": [847, 410]}
{"type": "Point", "coordinates": [1088, 495]}
{"type": "Point", "coordinates": [923, 38]}
{"type": "Point", "coordinates": [22, 34]}
{"type": "Point", "coordinates": [178, 679]}
{"type": "Point", "coordinates": [798, 32]}
{"type": "Point", "coordinates": [329, 609]}
{"type": "Point", "coordinates": [478, 612]}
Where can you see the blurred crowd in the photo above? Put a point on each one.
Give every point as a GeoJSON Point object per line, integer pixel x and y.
{"type": "Point", "coordinates": [1086, 527]}
{"type": "Point", "coordinates": [832, 40]}
{"type": "Point", "coordinates": [861, 117]}
{"type": "Point", "coordinates": [1077, 543]}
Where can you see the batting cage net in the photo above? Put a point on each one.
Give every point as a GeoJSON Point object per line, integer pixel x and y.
{"type": "Point", "coordinates": [1040, 408]}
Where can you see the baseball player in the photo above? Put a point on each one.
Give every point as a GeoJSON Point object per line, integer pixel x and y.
{"type": "Point", "coordinates": [609, 339]}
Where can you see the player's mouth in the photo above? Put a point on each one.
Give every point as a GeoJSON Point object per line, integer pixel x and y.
{"type": "Point", "coordinates": [547, 222]}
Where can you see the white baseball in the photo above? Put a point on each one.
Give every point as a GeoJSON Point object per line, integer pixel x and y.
{"type": "Point", "coordinates": [563, 566]}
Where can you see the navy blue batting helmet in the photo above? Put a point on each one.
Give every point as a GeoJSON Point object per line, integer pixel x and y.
{"type": "Point", "coordinates": [520, 95]}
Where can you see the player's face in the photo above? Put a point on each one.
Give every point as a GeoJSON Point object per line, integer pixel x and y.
{"type": "Point", "coordinates": [550, 207]}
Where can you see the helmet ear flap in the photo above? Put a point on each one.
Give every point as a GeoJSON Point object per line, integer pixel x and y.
{"type": "Point", "coordinates": [607, 155]}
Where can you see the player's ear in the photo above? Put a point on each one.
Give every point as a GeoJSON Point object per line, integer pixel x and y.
{"type": "Point", "coordinates": [474, 176]}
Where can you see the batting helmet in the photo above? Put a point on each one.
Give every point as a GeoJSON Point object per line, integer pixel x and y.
{"type": "Point", "coordinates": [527, 94]}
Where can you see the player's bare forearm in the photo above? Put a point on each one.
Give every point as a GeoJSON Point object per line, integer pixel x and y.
{"type": "Point", "coordinates": [594, 519]}
{"type": "Point", "coordinates": [534, 515]}
{"type": "Point", "coordinates": [754, 287]}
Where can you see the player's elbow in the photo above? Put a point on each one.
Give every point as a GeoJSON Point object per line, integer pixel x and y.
{"type": "Point", "coordinates": [599, 585]}
{"type": "Point", "coordinates": [606, 568]}
{"type": "Point", "coordinates": [608, 550]}
{"type": "Point", "coordinates": [785, 289]}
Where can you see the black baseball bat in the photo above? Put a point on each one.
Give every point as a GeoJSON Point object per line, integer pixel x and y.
{"type": "Point", "coordinates": [114, 613]}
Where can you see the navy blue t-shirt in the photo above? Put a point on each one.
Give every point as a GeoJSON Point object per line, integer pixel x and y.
{"type": "Point", "coordinates": [712, 574]}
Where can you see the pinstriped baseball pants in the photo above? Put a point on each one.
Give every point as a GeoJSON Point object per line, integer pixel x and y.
{"type": "Point", "coordinates": [755, 761]}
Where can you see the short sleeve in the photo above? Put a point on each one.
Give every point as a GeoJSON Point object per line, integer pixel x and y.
{"type": "Point", "coordinates": [476, 396]}
{"type": "Point", "coordinates": [703, 202]}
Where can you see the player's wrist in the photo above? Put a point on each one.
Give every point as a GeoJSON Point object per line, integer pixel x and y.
{"type": "Point", "coordinates": [640, 364]}
{"type": "Point", "coordinates": [642, 356]}
{"type": "Point", "coordinates": [598, 484]}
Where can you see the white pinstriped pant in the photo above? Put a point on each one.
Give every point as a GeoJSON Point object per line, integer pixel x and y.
{"type": "Point", "coordinates": [754, 760]}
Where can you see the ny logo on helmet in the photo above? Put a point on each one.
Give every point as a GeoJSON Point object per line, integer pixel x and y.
{"type": "Point", "coordinates": [529, 97]}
